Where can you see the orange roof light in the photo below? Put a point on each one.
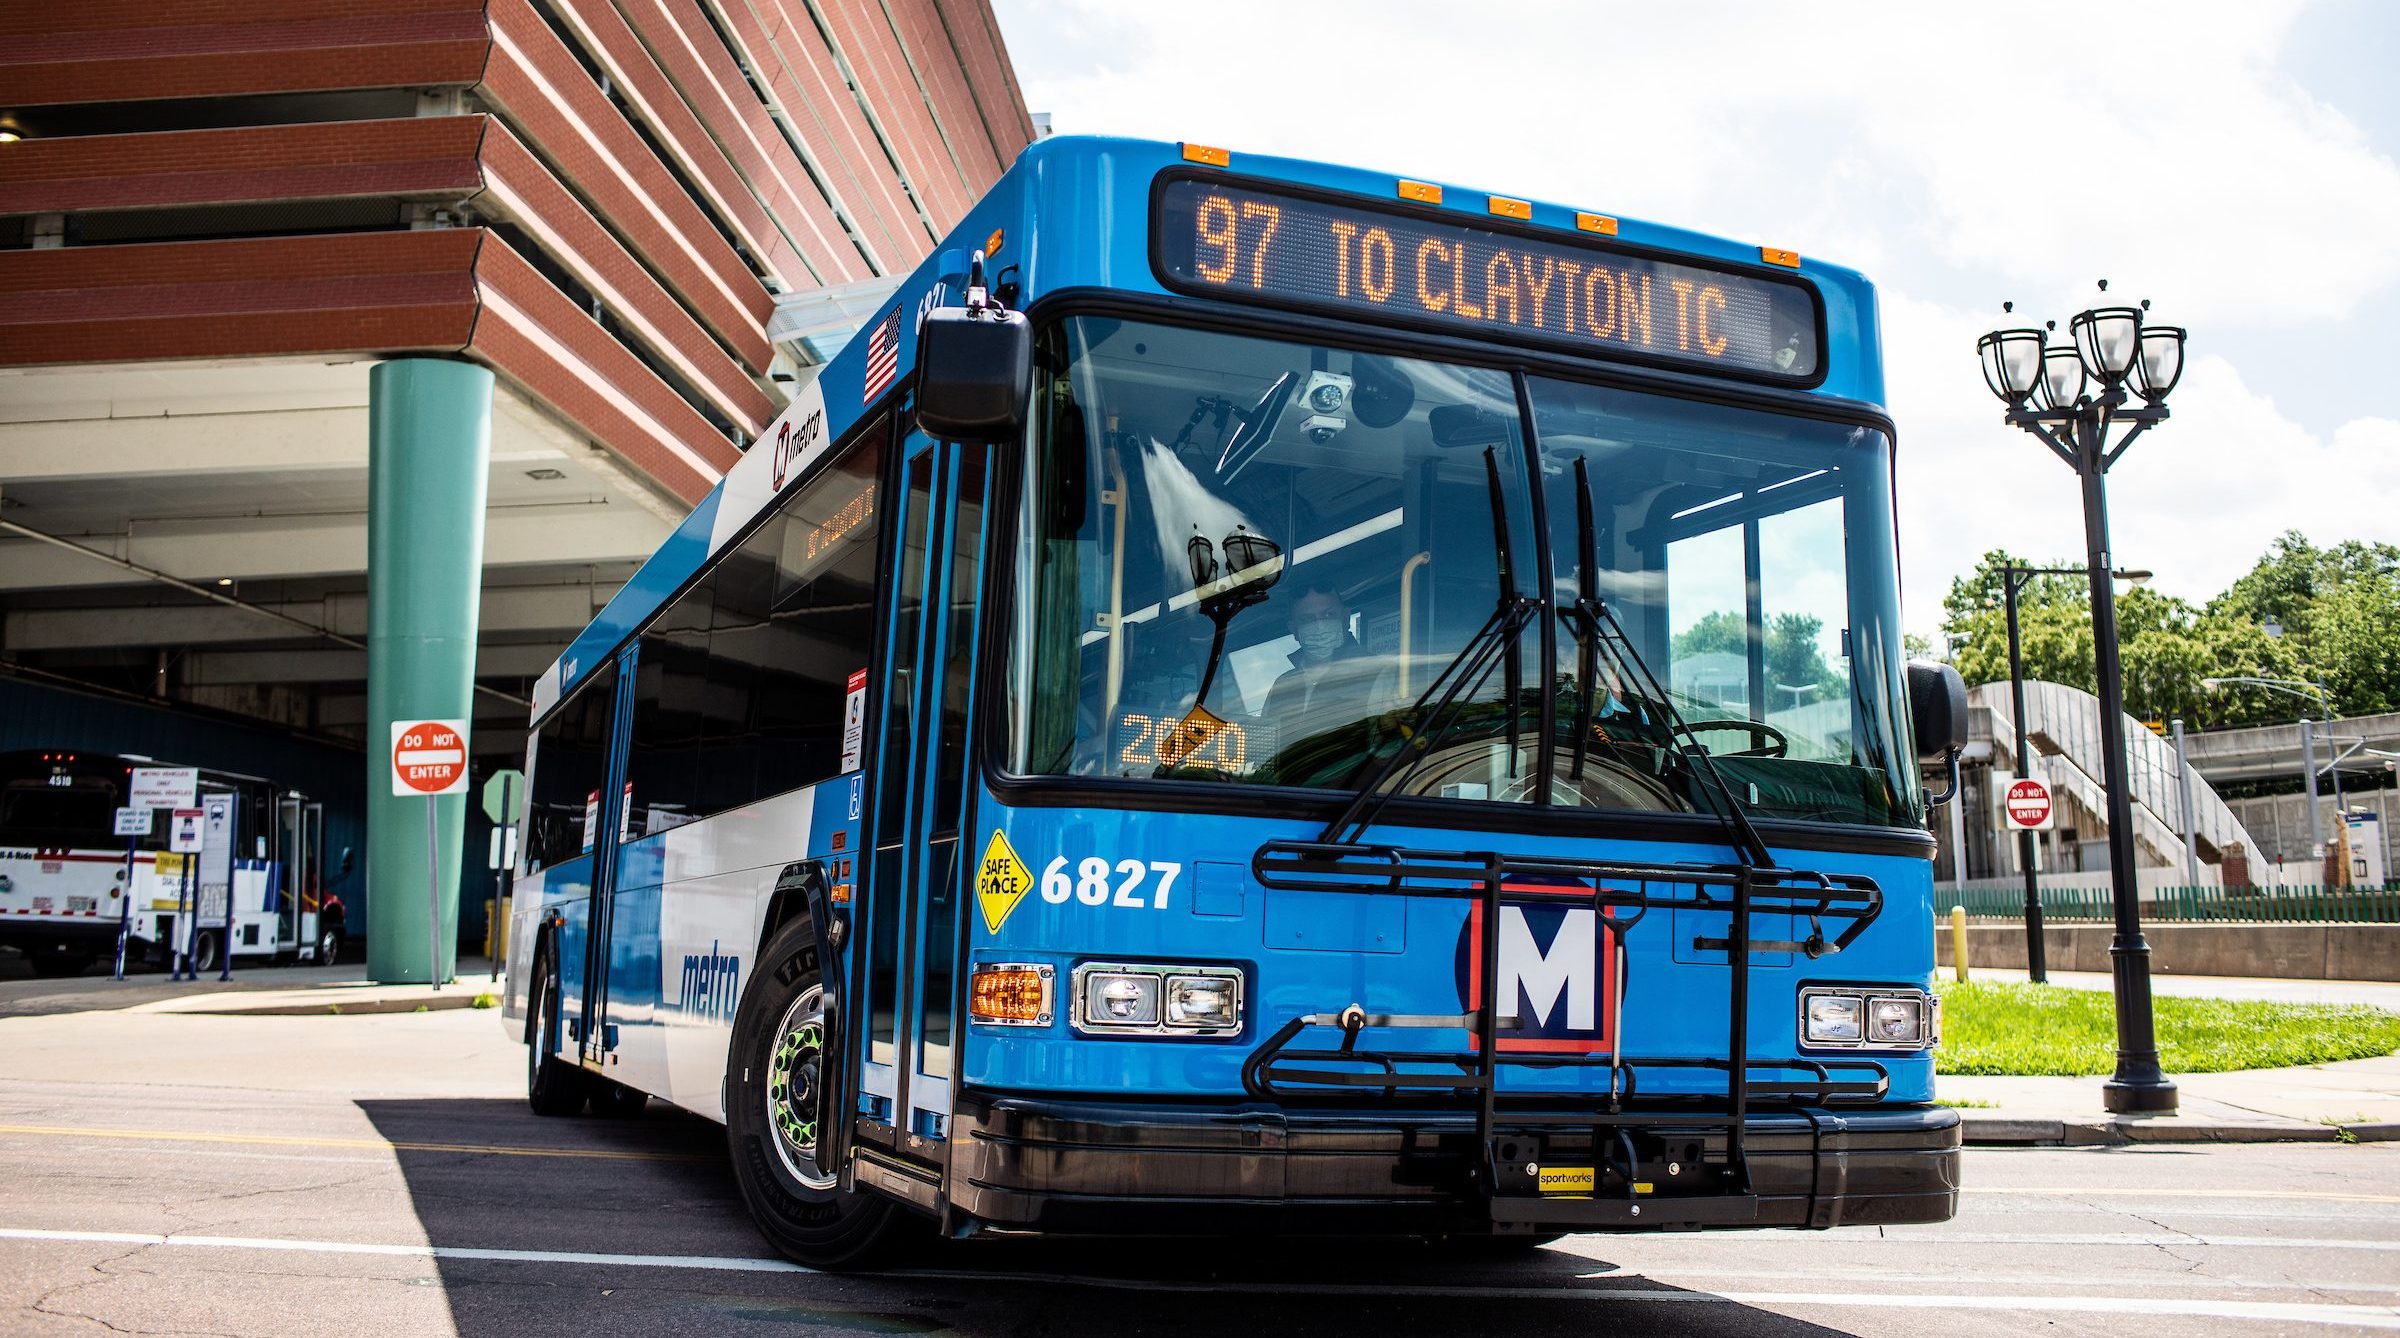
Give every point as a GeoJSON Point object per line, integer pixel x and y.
{"type": "Point", "coordinates": [1776, 255]}
{"type": "Point", "coordinates": [1206, 156]}
{"type": "Point", "coordinates": [1423, 192]}
{"type": "Point", "coordinates": [1600, 223]}
{"type": "Point", "coordinates": [1508, 208]}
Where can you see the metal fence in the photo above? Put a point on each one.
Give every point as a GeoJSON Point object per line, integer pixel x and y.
{"type": "Point", "coordinates": [2186, 905]}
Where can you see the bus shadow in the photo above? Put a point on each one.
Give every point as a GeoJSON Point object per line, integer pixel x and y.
{"type": "Point", "coordinates": [486, 1175]}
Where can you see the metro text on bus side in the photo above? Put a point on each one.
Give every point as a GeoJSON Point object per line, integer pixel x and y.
{"type": "Point", "coordinates": [1263, 696]}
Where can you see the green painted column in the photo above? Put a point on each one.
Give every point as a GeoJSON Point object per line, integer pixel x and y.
{"type": "Point", "coordinates": [429, 449]}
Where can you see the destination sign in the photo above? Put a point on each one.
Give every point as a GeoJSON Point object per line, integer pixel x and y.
{"type": "Point", "coordinates": [1250, 244]}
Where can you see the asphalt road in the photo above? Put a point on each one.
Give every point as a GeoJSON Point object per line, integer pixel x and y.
{"type": "Point", "coordinates": [381, 1175]}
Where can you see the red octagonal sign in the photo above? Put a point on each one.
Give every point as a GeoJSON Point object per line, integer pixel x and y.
{"type": "Point", "coordinates": [429, 757]}
{"type": "Point", "coordinates": [2029, 805]}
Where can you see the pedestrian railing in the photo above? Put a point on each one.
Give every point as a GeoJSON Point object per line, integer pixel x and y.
{"type": "Point", "coordinates": [2186, 905]}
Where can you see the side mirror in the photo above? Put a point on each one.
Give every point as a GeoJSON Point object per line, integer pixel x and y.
{"type": "Point", "coordinates": [1937, 707]}
{"type": "Point", "coordinates": [974, 373]}
{"type": "Point", "coordinates": [349, 857]}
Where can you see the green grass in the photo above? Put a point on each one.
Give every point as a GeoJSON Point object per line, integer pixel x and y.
{"type": "Point", "coordinates": [2003, 1029]}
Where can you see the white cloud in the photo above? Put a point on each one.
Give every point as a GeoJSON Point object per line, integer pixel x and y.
{"type": "Point", "coordinates": [1956, 159]}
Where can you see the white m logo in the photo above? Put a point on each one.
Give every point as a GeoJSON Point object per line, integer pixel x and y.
{"type": "Point", "coordinates": [1570, 964]}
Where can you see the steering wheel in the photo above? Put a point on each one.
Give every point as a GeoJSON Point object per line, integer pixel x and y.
{"type": "Point", "coordinates": [1766, 740]}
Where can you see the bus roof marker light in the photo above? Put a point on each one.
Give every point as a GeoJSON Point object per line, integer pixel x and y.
{"type": "Point", "coordinates": [1206, 156]}
{"type": "Point", "coordinates": [1420, 192]}
{"type": "Point", "coordinates": [1776, 255]}
{"type": "Point", "coordinates": [1600, 223]}
{"type": "Point", "coordinates": [1504, 207]}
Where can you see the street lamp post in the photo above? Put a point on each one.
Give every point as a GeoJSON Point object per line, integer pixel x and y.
{"type": "Point", "coordinates": [2012, 580]}
{"type": "Point", "coordinates": [2115, 373]}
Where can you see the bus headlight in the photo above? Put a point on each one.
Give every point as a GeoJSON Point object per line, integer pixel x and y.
{"type": "Point", "coordinates": [1833, 1019]}
{"type": "Point", "coordinates": [1211, 1002]}
{"type": "Point", "coordinates": [1895, 1021]}
{"type": "Point", "coordinates": [1121, 999]}
{"type": "Point", "coordinates": [1869, 1018]}
{"type": "Point", "coordinates": [1157, 999]}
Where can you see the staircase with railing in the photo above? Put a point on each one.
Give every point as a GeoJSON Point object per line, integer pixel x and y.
{"type": "Point", "coordinates": [2064, 725]}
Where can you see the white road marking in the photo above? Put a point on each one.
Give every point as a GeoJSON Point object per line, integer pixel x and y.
{"type": "Point", "coordinates": [2178, 1240]}
{"type": "Point", "coordinates": [717, 1263]}
{"type": "Point", "coordinates": [2357, 1316]}
{"type": "Point", "coordinates": [1887, 1277]}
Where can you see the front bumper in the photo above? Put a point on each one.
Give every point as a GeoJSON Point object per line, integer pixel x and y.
{"type": "Point", "coordinates": [1074, 1167]}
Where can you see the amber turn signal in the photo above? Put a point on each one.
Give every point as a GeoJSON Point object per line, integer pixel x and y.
{"type": "Point", "coordinates": [1010, 994]}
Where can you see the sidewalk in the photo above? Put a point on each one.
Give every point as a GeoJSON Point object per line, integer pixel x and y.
{"type": "Point", "coordinates": [2321, 1103]}
{"type": "Point", "coordinates": [253, 990]}
{"type": "Point", "coordinates": [2358, 1099]}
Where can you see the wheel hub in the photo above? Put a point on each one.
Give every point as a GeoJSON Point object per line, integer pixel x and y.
{"type": "Point", "coordinates": [794, 1070]}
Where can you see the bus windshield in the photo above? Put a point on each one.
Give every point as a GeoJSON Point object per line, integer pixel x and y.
{"type": "Point", "coordinates": [1252, 562]}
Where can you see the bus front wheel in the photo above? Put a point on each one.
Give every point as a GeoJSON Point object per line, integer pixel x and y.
{"type": "Point", "coordinates": [773, 1087]}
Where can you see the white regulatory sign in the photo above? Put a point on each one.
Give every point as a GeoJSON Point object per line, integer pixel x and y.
{"type": "Point", "coordinates": [164, 787]}
{"type": "Point", "coordinates": [185, 830]}
{"type": "Point", "coordinates": [2027, 805]}
{"type": "Point", "coordinates": [134, 821]}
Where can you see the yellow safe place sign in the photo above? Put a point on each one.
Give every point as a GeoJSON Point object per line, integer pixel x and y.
{"type": "Point", "coordinates": [1000, 882]}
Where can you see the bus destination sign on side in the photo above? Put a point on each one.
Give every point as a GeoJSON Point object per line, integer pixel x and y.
{"type": "Point", "coordinates": [1250, 244]}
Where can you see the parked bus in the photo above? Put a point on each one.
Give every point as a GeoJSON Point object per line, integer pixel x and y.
{"type": "Point", "coordinates": [65, 874]}
{"type": "Point", "coordinates": [1263, 696]}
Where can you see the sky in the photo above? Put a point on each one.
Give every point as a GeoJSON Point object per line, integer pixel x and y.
{"type": "Point", "coordinates": [2234, 163]}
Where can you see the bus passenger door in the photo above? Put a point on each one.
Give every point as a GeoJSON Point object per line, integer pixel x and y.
{"type": "Point", "coordinates": [597, 1038]}
{"type": "Point", "coordinates": [908, 984]}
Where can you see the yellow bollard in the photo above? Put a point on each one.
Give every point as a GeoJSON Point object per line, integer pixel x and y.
{"type": "Point", "coordinates": [1958, 942]}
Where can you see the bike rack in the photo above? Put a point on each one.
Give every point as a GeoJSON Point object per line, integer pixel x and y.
{"type": "Point", "coordinates": [1624, 892]}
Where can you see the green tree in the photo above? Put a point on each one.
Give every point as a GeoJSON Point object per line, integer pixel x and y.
{"type": "Point", "coordinates": [1794, 656]}
{"type": "Point", "coordinates": [2337, 609]}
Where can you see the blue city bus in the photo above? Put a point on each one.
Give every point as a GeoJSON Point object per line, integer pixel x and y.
{"type": "Point", "coordinates": [1265, 697]}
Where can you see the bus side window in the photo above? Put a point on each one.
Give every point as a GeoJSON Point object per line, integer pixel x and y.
{"type": "Point", "coordinates": [741, 683]}
{"type": "Point", "coordinates": [570, 754]}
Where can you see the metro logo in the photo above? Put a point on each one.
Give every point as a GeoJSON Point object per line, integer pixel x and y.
{"type": "Point", "coordinates": [1558, 970]}
{"type": "Point", "coordinates": [794, 442]}
{"type": "Point", "coordinates": [711, 984]}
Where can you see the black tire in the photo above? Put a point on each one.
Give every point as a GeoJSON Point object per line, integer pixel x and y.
{"type": "Point", "coordinates": [615, 1101]}
{"type": "Point", "coordinates": [329, 942]}
{"type": "Point", "coordinates": [552, 1086]}
{"type": "Point", "coordinates": [204, 952]}
{"type": "Point", "coordinates": [54, 964]}
{"type": "Point", "coordinates": [771, 1118]}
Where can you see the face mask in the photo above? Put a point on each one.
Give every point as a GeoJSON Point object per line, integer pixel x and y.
{"type": "Point", "coordinates": [1319, 635]}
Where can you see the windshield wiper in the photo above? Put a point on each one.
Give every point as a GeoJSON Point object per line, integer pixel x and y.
{"type": "Point", "coordinates": [1443, 703]}
{"type": "Point", "coordinates": [1599, 627]}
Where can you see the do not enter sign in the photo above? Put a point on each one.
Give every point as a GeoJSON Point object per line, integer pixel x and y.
{"type": "Point", "coordinates": [429, 757]}
{"type": "Point", "coordinates": [2028, 805]}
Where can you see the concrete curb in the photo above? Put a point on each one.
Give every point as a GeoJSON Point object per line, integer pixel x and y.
{"type": "Point", "coordinates": [284, 1005]}
{"type": "Point", "coordinates": [2013, 1131]}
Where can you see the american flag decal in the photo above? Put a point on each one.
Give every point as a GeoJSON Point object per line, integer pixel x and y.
{"type": "Point", "coordinates": [883, 355]}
